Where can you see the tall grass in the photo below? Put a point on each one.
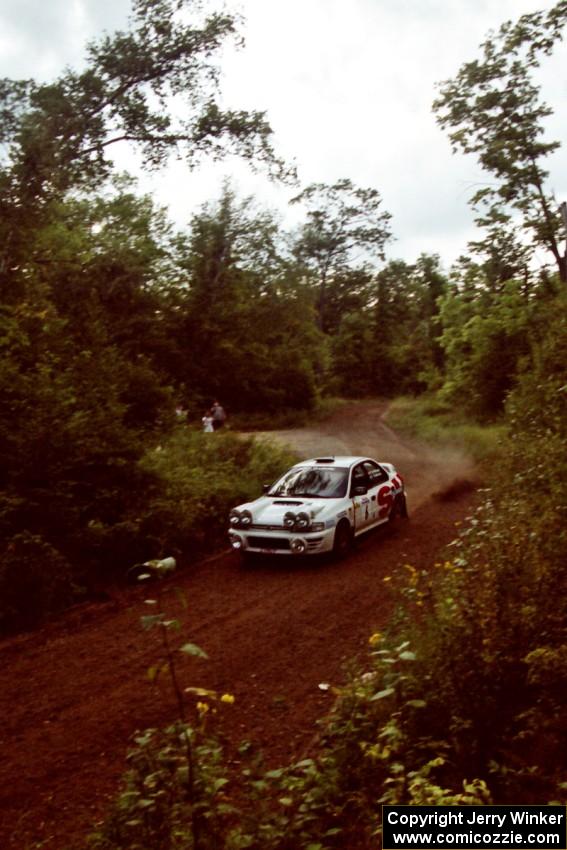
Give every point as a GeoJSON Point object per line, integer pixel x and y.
{"type": "Point", "coordinates": [428, 419]}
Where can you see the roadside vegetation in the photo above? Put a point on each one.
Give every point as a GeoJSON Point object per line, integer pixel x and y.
{"type": "Point", "coordinates": [275, 420]}
{"type": "Point", "coordinates": [110, 318]}
{"type": "Point", "coordinates": [436, 422]}
{"type": "Point", "coordinates": [197, 481]}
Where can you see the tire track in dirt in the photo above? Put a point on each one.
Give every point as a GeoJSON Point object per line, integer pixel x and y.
{"type": "Point", "coordinates": [73, 693]}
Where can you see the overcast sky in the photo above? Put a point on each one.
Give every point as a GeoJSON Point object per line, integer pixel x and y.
{"type": "Point", "coordinates": [348, 87]}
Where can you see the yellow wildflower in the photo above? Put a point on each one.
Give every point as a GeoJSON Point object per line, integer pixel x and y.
{"type": "Point", "coordinates": [375, 639]}
{"type": "Point", "coordinates": [202, 708]}
{"type": "Point", "coordinates": [228, 698]}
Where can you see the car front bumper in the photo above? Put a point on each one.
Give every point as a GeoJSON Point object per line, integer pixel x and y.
{"type": "Point", "coordinates": [282, 542]}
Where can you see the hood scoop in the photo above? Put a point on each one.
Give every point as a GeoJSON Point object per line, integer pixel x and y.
{"type": "Point", "coordinates": [283, 502]}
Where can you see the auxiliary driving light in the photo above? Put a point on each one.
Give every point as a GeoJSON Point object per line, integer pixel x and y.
{"type": "Point", "coordinates": [297, 546]}
{"type": "Point", "coordinates": [302, 521]}
{"type": "Point", "coordinates": [235, 541]}
{"type": "Point", "coordinates": [289, 520]}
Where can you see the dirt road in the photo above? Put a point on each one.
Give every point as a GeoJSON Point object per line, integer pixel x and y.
{"type": "Point", "coordinates": [72, 694]}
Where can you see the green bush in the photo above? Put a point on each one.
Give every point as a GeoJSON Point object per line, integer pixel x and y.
{"type": "Point", "coordinates": [111, 512]}
{"type": "Point", "coordinates": [170, 800]}
{"type": "Point", "coordinates": [35, 580]}
{"type": "Point", "coordinates": [199, 477]}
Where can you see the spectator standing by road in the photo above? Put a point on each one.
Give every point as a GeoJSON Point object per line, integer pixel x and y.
{"type": "Point", "coordinates": [219, 415]}
{"type": "Point", "coordinates": [207, 421]}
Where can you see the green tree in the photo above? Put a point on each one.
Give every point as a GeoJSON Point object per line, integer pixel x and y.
{"type": "Point", "coordinates": [503, 256]}
{"type": "Point", "coordinates": [247, 327]}
{"type": "Point", "coordinates": [68, 453]}
{"type": "Point", "coordinates": [349, 291]}
{"type": "Point", "coordinates": [353, 354]}
{"type": "Point", "coordinates": [60, 133]}
{"type": "Point", "coordinates": [155, 87]}
{"type": "Point", "coordinates": [433, 284]}
{"type": "Point", "coordinates": [484, 340]}
{"type": "Point", "coordinates": [407, 351]}
{"type": "Point", "coordinates": [391, 344]}
{"type": "Point", "coordinates": [492, 108]}
{"type": "Point", "coordinates": [343, 236]}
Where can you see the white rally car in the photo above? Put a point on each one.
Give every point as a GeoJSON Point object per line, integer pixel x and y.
{"type": "Point", "coordinates": [319, 505]}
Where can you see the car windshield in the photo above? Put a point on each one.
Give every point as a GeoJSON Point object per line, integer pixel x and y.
{"type": "Point", "coordinates": [323, 483]}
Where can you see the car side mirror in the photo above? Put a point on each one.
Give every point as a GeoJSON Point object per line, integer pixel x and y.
{"type": "Point", "coordinates": [361, 490]}
{"type": "Point", "coordinates": [266, 488]}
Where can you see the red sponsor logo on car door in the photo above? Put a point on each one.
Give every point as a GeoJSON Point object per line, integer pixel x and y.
{"type": "Point", "coordinates": [385, 501]}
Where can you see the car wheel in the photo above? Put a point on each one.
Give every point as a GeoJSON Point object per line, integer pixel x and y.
{"type": "Point", "coordinates": [342, 543]}
{"type": "Point", "coordinates": [399, 508]}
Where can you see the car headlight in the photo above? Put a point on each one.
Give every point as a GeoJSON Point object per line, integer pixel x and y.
{"type": "Point", "coordinates": [317, 526]}
{"type": "Point", "coordinates": [245, 518]}
{"type": "Point", "coordinates": [234, 518]}
{"type": "Point", "coordinates": [289, 520]}
{"type": "Point", "coordinates": [302, 521]}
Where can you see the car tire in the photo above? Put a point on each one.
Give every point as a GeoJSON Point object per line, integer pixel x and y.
{"type": "Point", "coordinates": [399, 508]}
{"type": "Point", "coordinates": [342, 543]}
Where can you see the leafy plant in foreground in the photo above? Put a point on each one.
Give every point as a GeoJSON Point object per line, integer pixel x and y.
{"type": "Point", "coordinates": [173, 797]}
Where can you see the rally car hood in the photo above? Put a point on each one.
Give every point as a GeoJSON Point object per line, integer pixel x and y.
{"type": "Point", "coordinates": [270, 510]}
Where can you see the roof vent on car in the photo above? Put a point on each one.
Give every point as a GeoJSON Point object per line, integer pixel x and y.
{"type": "Point", "coordinates": [324, 460]}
